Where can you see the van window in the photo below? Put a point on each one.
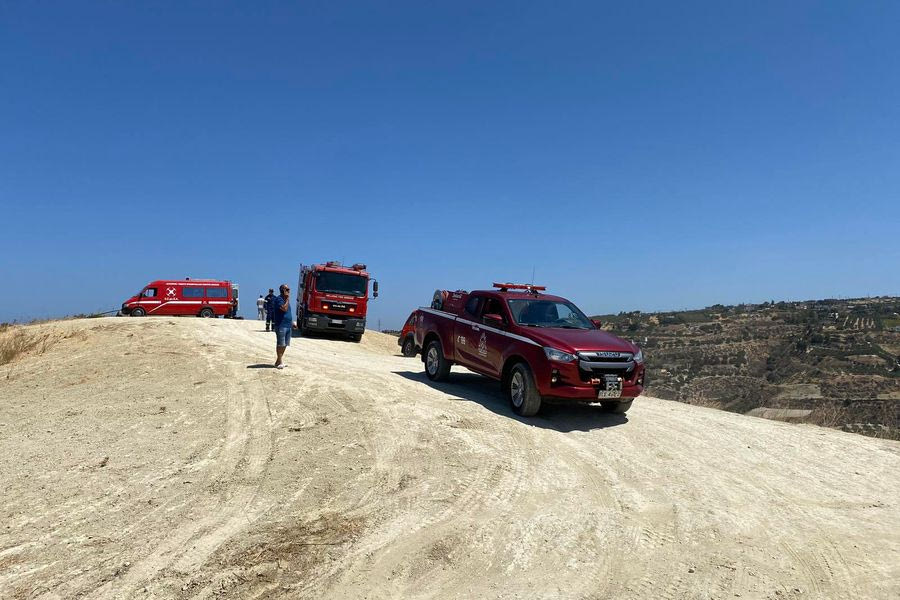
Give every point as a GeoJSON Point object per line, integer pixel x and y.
{"type": "Point", "coordinates": [192, 292]}
{"type": "Point", "coordinates": [216, 293]}
{"type": "Point", "coordinates": [149, 293]}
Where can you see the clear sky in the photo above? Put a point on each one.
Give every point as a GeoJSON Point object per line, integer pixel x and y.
{"type": "Point", "coordinates": [636, 155]}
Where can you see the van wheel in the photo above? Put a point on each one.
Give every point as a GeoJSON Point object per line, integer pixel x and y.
{"type": "Point", "coordinates": [138, 312]}
{"type": "Point", "coordinates": [621, 407]}
{"type": "Point", "coordinates": [436, 366]}
{"type": "Point", "coordinates": [207, 312]}
{"type": "Point", "coordinates": [522, 391]}
{"type": "Point", "coordinates": [409, 347]}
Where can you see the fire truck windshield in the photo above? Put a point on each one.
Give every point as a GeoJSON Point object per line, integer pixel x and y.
{"type": "Point", "coordinates": [341, 283]}
{"type": "Point", "coordinates": [548, 313]}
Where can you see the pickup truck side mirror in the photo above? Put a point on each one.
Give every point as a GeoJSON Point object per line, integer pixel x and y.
{"type": "Point", "coordinates": [597, 323]}
{"type": "Point", "coordinates": [492, 320]}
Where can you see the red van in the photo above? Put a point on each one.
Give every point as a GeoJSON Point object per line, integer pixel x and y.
{"type": "Point", "coordinates": [191, 297]}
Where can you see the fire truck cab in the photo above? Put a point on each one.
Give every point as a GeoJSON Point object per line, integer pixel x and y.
{"type": "Point", "coordinates": [334, 298]}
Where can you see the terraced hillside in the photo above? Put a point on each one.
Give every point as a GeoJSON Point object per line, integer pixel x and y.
{"type": "Point", "coordinates": [830, 362]}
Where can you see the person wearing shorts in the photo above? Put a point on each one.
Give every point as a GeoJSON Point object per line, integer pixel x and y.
{"type": "Point", "coordinates": [281, 320]}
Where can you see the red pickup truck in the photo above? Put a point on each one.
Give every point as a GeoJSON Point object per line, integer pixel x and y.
{"type": "Point", "coordinates": [537, 345]}
{"type": "Point", "coordinates": [407, 339]}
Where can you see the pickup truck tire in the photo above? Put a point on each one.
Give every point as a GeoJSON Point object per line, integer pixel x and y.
{"type": "Point", "coordinates": [522, 391]}
{"type": "Point", "coordinates": [436, 366]}
{"type": "Point", "coordinates": [409, 346]}
{"type": "Point", "coordinates": [620, 407]}
{"type": "Point", "coordinates": [138, 312]}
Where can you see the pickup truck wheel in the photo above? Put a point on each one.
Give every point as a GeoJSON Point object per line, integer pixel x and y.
{"type": "Point", "coordinates": [621, 407]}
{"type": "Point", "coordinates": [522, 391]}
{"type": "Point", "coordinates": [409, 346]}
{"type": "Point", "coordinates": [436, 366]}
{"type": "Point", "coordinates": [138, 312]}
{"type": "Point", "coordinates": [207, 313]}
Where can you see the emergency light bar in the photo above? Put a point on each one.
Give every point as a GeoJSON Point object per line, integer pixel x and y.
{"type": "Point", "coordinates": [520, 286]}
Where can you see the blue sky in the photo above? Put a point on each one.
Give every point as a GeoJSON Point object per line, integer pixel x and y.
{"type": "Point", "coordinates": [635, 155]}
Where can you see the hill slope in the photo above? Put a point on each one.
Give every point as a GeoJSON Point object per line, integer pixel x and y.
{"type": "Point", "coordinates": [163, 458]}
{"type": "Point", "coordinates": [829, 362]}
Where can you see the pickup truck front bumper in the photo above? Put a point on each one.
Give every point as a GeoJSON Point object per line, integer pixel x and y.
{"type": "Point", "coordinates": [569, 382]}
{"type": "Point", "coordinates": [589, 394]}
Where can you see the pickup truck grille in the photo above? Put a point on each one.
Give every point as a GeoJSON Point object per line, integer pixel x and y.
{"type": "Point", "coordinates": [594, 365]}
{"type": "Point", "coordinates": [612, 357]}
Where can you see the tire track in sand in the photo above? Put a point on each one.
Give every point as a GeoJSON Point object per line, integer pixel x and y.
{"type": "Point", "coordinates": [234, 479]}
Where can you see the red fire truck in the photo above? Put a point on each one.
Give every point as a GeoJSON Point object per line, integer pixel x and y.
{"type": "Point", "coordinates": [184, 297]}
{"type": "Point", "coordinates": [537, 345]}
{"type": "Point", "coordinates": [334, 298]}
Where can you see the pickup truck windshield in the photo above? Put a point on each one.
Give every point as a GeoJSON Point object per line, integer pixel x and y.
{"type": "Point", "coordinates": [548, 313]}
{"type": "Point", "coordinates": [341, 283]}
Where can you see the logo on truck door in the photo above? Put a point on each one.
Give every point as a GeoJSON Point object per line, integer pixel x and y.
{"type": "Point", "coordinates": [482, 345]}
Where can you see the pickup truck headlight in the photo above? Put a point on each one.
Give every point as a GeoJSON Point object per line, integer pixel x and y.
{"type": "Point", "coordinates": [639, 357]}
{"type": "Point", "coordinates": [558, 355]}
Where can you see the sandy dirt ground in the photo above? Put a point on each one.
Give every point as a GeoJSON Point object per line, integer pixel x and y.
{"type": "Point", "coordinates": [164, 458]}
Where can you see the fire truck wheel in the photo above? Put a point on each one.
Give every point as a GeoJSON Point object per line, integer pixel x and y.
{"type": "Point", "coordinates": [436, 366]}
{"type": "Point", "coordinates": [621, 407]}
{"type": "Point", "coordinates": [356, 337]}
{"type": "Point", "coordinates": [409, 346]}
{"type": "Point", "coordinates": [138, 312]}
{"type": "Point", "coordinates": [207, 312]}
{"type": "Point", "coordinates": [522, 391]}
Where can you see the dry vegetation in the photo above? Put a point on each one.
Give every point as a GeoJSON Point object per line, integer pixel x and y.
{"type": "Point", "coordinates": [16, 340]}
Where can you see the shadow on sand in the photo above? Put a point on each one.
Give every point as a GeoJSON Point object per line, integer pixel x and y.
{"type": "Point", "coordinates": [561, 416]}
{"type": "Point", "coordinates": [261, 366]}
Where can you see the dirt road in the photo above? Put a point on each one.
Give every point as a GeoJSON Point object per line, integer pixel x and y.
{"type": "Point", "coordinates": [163, 458]}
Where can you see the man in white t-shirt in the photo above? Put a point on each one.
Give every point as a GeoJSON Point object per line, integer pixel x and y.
{"type": "Point", "coordinates": [261, 308]}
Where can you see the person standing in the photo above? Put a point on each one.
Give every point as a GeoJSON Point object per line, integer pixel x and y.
{"type": "Point", "coordinates": [282, 324]}
{"type": "Point", "coordinates": [270, 308]}
{"type": "Point", "coordinates": [260, 308]}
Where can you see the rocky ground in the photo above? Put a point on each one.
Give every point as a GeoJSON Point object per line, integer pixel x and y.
{"type": "Point", "coordinates": [164, 458]}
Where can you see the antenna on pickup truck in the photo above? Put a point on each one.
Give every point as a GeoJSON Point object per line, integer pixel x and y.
{"type": "Point", "coordinates": [531, 288]}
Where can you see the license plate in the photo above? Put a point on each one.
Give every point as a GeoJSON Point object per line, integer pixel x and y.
{"type": "Point", "coordinates": [609, 393]}
{"type": "Point", "coordinates": [337, 322]}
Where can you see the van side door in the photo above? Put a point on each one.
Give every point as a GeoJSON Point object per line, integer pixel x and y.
{"type": "Point", "coordinates": [149, 299]}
